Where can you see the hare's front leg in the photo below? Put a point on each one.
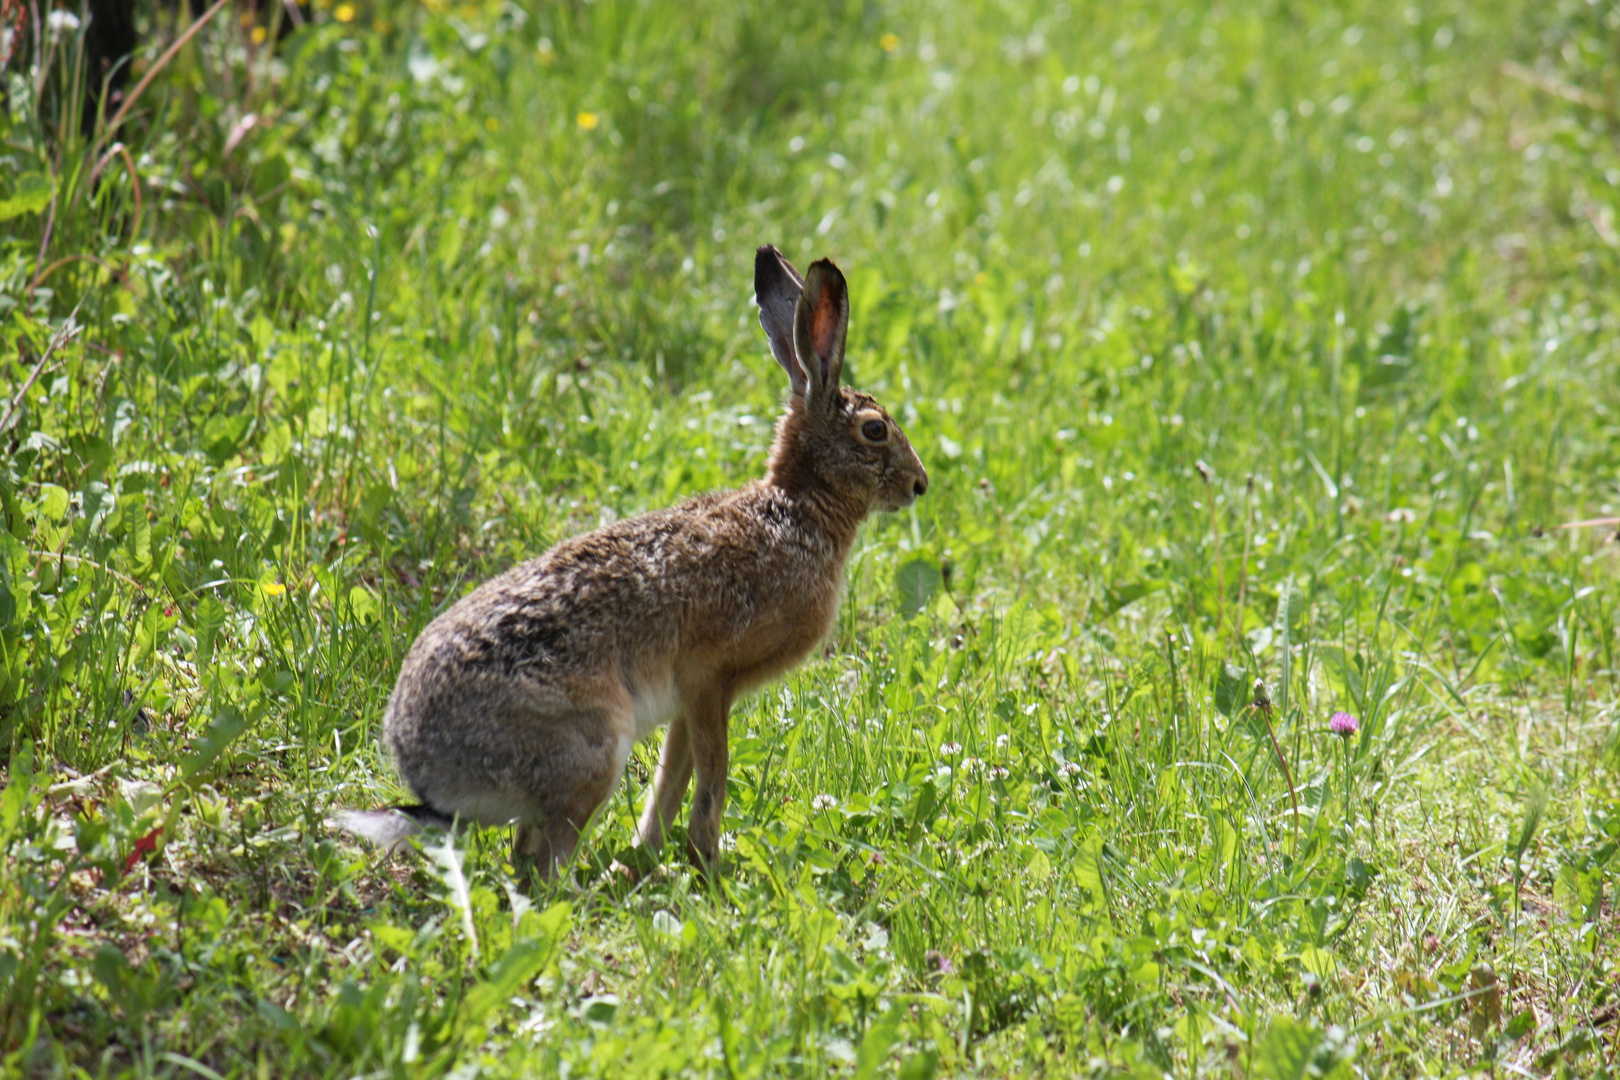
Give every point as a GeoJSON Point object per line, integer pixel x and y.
{"type": "Point", "coordinates": [707, 719]}
{"type": "Point", "coordinates": [668, 787]}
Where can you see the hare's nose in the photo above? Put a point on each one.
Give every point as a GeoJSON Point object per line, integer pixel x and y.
{"type": "Point", "coordinates": [919, 487]}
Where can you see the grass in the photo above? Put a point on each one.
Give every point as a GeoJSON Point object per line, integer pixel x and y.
{"type": "Point", "coordinates": [1266, 342]}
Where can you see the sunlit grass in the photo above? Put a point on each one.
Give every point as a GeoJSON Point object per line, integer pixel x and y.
{"type": "Point", "coordinates": [1273, 344]}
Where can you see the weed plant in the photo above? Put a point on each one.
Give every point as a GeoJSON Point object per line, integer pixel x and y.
{"type": "Point", "coordinates": [1261, 356]}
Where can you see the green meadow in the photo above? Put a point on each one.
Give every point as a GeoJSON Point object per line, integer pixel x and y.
{"type": "Point", "coordinates": [1265, 359]}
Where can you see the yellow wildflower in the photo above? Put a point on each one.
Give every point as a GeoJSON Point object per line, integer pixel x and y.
{"type": "Point", "coordinates": [889, 42]}
{"type": "Point", "coordinates": [587, 120]}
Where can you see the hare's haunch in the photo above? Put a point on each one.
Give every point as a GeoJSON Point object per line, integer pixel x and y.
{"type": "Point", "coordinates": [521, 702]}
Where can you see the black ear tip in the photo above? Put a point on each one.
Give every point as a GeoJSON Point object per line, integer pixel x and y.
{"type": "Point", "coordinates": [828, 271]}
{"type": "Point", "coordinates": [768, 268]}
{"type": "Point", "coordinates": [768, 260]}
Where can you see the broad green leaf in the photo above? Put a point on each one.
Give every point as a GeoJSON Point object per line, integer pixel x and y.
{"type": "Point", "coordinates": [551, 924]}
{"type": "Point", "coordinates": [138, 539]}
{"type": "Point", "coordinates": [525, 959]}
{"type": "Point", "coordinates": [364, 605]}
{"type": "Point", "coordinates": [1118, 596]}
{"type": "Point", "coordinates": [394, 937]}
{"type": "Point", "coordinates": [917, 582]}
{"type": "Point", "coordinates": [1227, 840]}
{"type": "Point", "coordinates": [1231, 689]}
{"type": "Point", "coordinates": [881, 1035]}
{"type": "Point", "coordinates": [1579, 891]}
{"type": "Point", "coordinates": [210, 618]}
{"type": "Point", "coordinates": [54, 501]}
{"type": "Point", "coordinates": [920, 1066]}
{"type": "Point", "coordinates": [92, 450]}
{"type": "Point", "coordinates": [1286, 1051]}
{"type": "Point", "coordinates": [31, 194]}
{"type": "Point", "coordinates": [222, 435]}
{"type": "Point", "coordinates": [600, 1009]}
{"type": "Point", "coordinates": [19, 789]}
{"type": "Point", "coordinates": [1318, 962]}
{"type": "Point", "coordinates": [1088, 869]}
{"type": "Point", "coordinates": [227, 725]}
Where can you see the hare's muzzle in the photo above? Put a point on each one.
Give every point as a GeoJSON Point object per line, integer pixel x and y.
{"type": "Point", "coordinates": [899, 494]}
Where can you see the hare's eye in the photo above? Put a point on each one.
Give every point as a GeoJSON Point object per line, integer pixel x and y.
{"type": "Point", "coordinates": [875, 430]}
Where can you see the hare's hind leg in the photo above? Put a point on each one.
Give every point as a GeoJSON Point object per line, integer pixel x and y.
{"type": "Point", "coordinates": [545, 847]}
{"type": "Point", "coordinates": [575, 779]}
{"type": "Point", "coordinates": [668, 786]}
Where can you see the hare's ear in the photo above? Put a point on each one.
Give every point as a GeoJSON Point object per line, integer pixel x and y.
{"type": "Point", "coordinates": [776, 290]}
{"type": "Point", "coordinates": [819, 326]}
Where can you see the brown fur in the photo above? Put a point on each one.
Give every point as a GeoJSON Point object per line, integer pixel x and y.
{"type": "Point", "coordinates": [521, 702]}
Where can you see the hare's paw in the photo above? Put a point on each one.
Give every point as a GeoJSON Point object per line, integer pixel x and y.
{"type": "Point", "coordinates": [633, 863]}
{"type": "Point", "coordinates": [706, 863]}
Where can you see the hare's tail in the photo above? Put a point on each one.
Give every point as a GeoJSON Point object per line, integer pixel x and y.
{"type": "Point", "coordinates": [387, 828]}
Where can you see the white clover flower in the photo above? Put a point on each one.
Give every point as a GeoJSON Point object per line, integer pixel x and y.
{"type": "Point", "coordinates": [999, 772]}
{"type": "Point", "coordinates": [1071, 768]}
{"type": "Point", "coordinates": [1002, 741]}
{"type": "Point", "coordinates": [972, 764]}
{"type": "Point", "coordinates": [59, 22]}
{"type": "Point", "coordinates": [823, 802]}
{"type": "Point", "coordinates": [943, 772]}
{"type": "Point", "coordinates": [951, 749]}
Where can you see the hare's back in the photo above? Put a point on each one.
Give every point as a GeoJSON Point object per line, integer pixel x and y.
{"type": "Point", "coordinates": [623, 597]}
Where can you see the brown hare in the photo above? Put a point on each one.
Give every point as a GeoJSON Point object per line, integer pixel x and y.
{"type": "Point", "coordinates": [521, 702]}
